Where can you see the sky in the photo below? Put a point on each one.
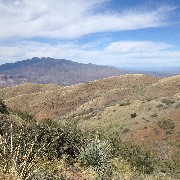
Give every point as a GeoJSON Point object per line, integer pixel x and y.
{"type": "Point", "coordinates": [124, 33]}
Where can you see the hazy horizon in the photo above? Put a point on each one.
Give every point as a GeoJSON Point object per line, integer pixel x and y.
{"type": "Point", "coordinates": [158, 69]}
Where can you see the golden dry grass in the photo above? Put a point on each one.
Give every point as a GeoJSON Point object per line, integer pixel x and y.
{"type": "Point", "coordinates": [106, 104]}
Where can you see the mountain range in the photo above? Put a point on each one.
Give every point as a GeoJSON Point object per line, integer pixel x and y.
{"type": "Point", "coordinates": [57, 71]}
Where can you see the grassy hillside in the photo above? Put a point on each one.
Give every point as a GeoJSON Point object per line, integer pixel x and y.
{"type": "Point", "coordinates": [63, 151]}
{"type": "Point", "coordinates": [63, 100]}
{"type": "Point", "coordinates": [138, 107]}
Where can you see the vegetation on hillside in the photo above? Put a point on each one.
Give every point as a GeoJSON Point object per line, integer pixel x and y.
{"type": "Point", "coordinates": [52, 150]}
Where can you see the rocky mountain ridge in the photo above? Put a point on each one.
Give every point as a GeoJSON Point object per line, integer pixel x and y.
{"type": "Point", "coordinates": [48, 70]}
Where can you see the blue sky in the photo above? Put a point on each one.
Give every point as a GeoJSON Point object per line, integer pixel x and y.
{"type": "Point", "coordinates": [122, 33]}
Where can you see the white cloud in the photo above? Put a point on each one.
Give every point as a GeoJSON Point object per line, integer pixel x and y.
{"type": "Point", "coordinates": [69, 19]}
{"type": "Point", "coordinates": [136, 47]}
{"type": "Point", "coordinates": [143, 53]}
{"type": "Point", "coordinates": [123, 53]}
{"type": "Point", "coordinates": [21, 20]}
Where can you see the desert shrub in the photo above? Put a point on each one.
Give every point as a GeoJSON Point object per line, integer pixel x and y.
{"type": "Point", "coordinates": [133, 115]}
{"type": "Point", "coordinates": [148, 99]}
{"type": "Point", "coordinates": [169, 132]}
{"type": "Point", "coordinates": [95, 154]}
{"type": "Point", "coordinates": [51, 170]}
{"type": "Point", "coordinates": [144, 161]}
{"type": "Point", "coordinates": [168, 101]}
{"type": "Point", "coordinates": [16, 152]}
{"type": "Point", "coordinates": [70, 140]}
{"type": "Point", "coordinates": [140, 159]}
{"type": "Point", "coordinates": [3, 107]}
{"type": "Point", "coordinates": [60, 139]}
{"type": "Point", "coordinates": [126, 130]}
{"type": "Point", "coordinates": [169, 167]}
{"type": "Point", "coordinates": [166, 124]}
{"type": "Point", "coordinates": [24, 116]}
{"type": "Point", "coordinates": [121, 168]}
{"type": "Point", "coordinates": [22, 146]}
{"type": "Point", "coordinates": [35, 150]}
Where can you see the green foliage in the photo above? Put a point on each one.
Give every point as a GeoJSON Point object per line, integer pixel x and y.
{"type": "Point", "coordinates": [166, 124]}
{"type": "Point", "coordinates": [36, 150]}
{"type": "Point", "coordinates": [140, 159]}
{"type": "Point", "coordinates": [168, 101]}
{"type": "Point", "coordinates": [170, 166]}
{"type": "Point", "coordinates": [17, 152]}
{"type": "Point", "coordinates": [3, 107]}
{"type": "Point", "coordinates": [95, 154]}
{"type": "Point", "coordinates": [54, 169]}
{"type": "Point", "coordinates": [26, 144]}
{"type": "Point", "coordinates": [69, 141]}
{"type": "Point", "coordinates": [26, 117]}
{"type": "Point", "coordinates": [133, 115]}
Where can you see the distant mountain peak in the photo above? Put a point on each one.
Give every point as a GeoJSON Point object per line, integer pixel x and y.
{"type": "Point", "coordinates": [46, 70]}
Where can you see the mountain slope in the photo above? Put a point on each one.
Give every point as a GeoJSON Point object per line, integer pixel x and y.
{"type": "Point", "coordinates": [48, 70]}
{"type": "Point", "coordinates": [8, 80]}
{"type": "Point", "coordinates": [63, 100]}
{"type": "Point", "coordinates": [136, 106]}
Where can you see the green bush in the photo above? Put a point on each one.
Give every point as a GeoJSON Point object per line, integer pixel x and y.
{"type": "Point", "coordinates": [96, 154]}
{"type": "Point", "coordinates": [133, 115]}
{"type": "Point", "coordinates": [35, 149]}
{"type": "Point", "coordinates": [3, 107]}
{"type": "Point", "coordinates": [70, 140]}
{"type": "Point", "coordinates": [25, 145]}
{"type": "Point", "coordinates": [166, 124]}
{"type": "Point", "coordinates": [168, 101]}
{"type": "Point", "coordinates": [25, 116]}
{"type": "Point", "coordinates": [140, 159]}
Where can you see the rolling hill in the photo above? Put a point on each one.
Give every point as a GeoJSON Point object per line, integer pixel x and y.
{"type": "Point", "coordinates": [136, 106]}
